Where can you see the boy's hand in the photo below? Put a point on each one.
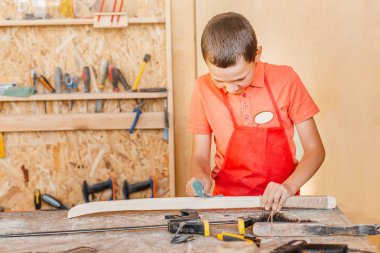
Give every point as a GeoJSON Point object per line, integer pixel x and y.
{"type": "Point", "coordinates": [205, 181]}
{"type": "Point", "coordinates": [275, 196]}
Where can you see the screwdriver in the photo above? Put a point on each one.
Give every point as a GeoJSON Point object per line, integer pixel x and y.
{"type": "Point", "coordinates": [113, 76]}
{"type": "Point", "coordinates": [37, 199]}
{"type": "Point", "coordinates": [53, 202]}
{"type": "Point", "coordinates": [86, 77]}
{"type": "Point", "coordinates": [58, 85]}
{"type": "Point", "coordinates": [103, 78]}
{"type": "Point", "coordinates": [123, 81]}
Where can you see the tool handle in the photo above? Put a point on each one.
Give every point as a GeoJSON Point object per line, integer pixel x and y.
{"type": "Point", "coordinates": [136, 187]}
{"type": "Point", "coordinates": [166, 114]}
{"type": "Point", "coordinates": [86, 77]}
{"type": "Point", "coordinates": [138, 112]}
{"type": "Point", "coordinates": [46, 84]}
{"type": "Point", "coordinates": [152, 90]}
{"type": "Point", "coordinates": [123, 80]}
{"type": "Point", "coordinates": [112, 74]}
{"type": "Point", "coordinates": [37, 199]}
{"type": "Point", "coordinates": [58, 79]}
{"type": "Point", "coordinates": [103, 73]}
{"type": "Point", "coordinates": [53, 202]}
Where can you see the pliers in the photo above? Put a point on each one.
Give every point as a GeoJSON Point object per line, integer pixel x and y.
{"type": "Point", "coordinates": [138, 111]}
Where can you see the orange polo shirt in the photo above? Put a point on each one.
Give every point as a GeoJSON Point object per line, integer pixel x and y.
{"type": "Point", "coordinates": [208, 113]}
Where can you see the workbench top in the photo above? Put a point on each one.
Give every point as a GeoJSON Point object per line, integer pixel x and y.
{"type": "Point", "coordinates": [148, 240]}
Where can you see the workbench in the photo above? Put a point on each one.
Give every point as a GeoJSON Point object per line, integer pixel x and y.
{"type": "Point", "coordinates": [147, 240]}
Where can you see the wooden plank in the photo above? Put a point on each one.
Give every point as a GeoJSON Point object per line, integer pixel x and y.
{"type": "Point", "coordinates": [79, 21]}
{"type": "Point", "coordinates": [85, 96]}
{"type": "Point", "coordinates": [94, 121]}
{"type": "Point", "coordinates": [169, 77]}
{"type": "Point", "coordinates": [320, 202]}
{"type": "Point", "coordinates": [311, 229]}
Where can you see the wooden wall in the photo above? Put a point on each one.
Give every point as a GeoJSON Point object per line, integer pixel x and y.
{"type": "Point", "coordinates": [58, 162]}
{"type": "Point", "coordinates": [334, 46]}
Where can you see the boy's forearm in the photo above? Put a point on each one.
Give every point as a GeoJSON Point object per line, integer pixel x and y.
{"type": "Point", "coordinates": [200, 167]}
{"type": "Point", "coordinates": [307, 167]}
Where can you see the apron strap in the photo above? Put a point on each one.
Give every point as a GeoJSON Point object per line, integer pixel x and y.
{"type": "Point", "coordinates": [229, 107]}
{"type": "Point", "coordinates": [273, 100]}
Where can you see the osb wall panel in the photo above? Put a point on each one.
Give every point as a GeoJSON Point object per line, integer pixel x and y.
{"type": "Point", "coordinates": [58, 162]}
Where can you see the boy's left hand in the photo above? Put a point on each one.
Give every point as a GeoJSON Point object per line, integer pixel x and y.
{"type": "Point", "coordinates": [275, 196]}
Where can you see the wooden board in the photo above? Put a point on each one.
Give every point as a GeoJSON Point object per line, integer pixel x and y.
{"type": "Point", "coordinates": [316, 202]}
{"type": "Point", "coordinates": [144, 241]}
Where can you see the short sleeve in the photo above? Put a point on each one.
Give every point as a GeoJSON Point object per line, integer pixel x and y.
{"type": "Point", "coordinates": [197, 122]}
{"type": "Point", "coordinates": [301, 104]}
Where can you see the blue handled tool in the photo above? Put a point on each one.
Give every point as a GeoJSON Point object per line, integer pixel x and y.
{"type": "Point", "coordinates": [138, 111]}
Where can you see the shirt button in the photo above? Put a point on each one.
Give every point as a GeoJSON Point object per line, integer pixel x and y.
{"type": "Point", "coordinates": [246, 118]}
{"type": "Point", "coordinates": [245, 105]}
{"type": "Point", "coordinates": [244, 94]}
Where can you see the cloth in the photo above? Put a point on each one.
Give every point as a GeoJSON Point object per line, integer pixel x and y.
{"type": "Point", "coordinates": [208, 113]}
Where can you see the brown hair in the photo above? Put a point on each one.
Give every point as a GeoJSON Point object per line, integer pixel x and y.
{"type": "Point", "coordinates": [226, 38]}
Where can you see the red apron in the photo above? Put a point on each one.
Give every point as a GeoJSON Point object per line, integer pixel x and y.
{"type": "Point", "coordinates": [254, 157]}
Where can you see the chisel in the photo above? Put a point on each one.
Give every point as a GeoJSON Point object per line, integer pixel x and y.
{"type": "Point", "coordinates": [86, 77]}
{"type": "Point", "coordinates": [103, 78]}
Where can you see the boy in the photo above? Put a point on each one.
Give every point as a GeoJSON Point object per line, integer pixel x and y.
{"type": "Point", "coordinates": [251, 107]}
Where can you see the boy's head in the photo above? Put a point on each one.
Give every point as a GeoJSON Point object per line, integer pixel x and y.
{"type": "Point", "coordinates": [229, 47]}
{"type": "Point", "coordinates": [226, 38]}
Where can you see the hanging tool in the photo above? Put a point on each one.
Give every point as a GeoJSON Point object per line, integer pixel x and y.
{"type": "Point", "coordinates": [72, 86]}
{"type": "Point", "coordinates": [103, 78]}
{"type": "Point", "coordinates": [312, 229]}
{"type": "Point", "coordinates": [37, 199]}
{"type": "Point", "coordinates": [4, 86]}
{"type": "Point", "coordinates": [140, 186]}
{"type": "Point", "coordinates": [2, 147]}
{"type": "Point", "coordinates": [101, 9]}
{"type": "Point", "coordinates": [58, 85]}
{"type": "Point", "coordinates": [120, 9]}
{"type": "Point", "coordinates": [113, 76]}
{"type": "Point", "coordinates": [45, 83]}
{"type": "Point", "coordinates": [166, 114]}
{"type": "Point", "coordinates": [86, 77]}
{"type": "Point", "coordinates": [48, 199]}
{"type": "Point", "coordinates": [138, 111]}
{"type": "Point", "coordinates": [34, 80]}
{"type": "Point", "coordinates": [88, 190]}
{"type": "Point", "coordinates": [152, 90]}
{"type": "Point", "coordinates": [122, 79]}
{"type": "Point", "coordinates": [113, 9]}
{"type": "Point", "coordinates": [146, 59]}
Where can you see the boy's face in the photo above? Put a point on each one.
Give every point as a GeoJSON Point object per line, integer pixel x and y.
{"type": "Point", "coordinates": [234, 79]}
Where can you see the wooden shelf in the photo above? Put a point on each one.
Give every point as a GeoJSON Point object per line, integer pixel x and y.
{"type": "Point", "coordinates": [71, 21]}
{"type": "Point", "coordinates": [85, 96]}
{"type": "Point", "coordinates": [85, 121]}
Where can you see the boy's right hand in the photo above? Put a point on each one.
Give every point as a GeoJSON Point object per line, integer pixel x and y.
{"type": "Point", "coordinates": [205, 181]}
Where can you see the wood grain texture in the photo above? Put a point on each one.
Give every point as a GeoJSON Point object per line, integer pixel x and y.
{"type": "Point", "coordinates": [317, 202]}
{"type": "Point", "coordinates": [94, 121]}
{"type": "Point", "coordinates": [145, 241]}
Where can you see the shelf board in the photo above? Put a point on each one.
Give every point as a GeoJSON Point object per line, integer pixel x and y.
{"type": "Point", "coordinates": [72, 21]}
{"type": "Point", "coordinates": [85, 96]}
{"type": "Point", "coordinates": [63, 122]}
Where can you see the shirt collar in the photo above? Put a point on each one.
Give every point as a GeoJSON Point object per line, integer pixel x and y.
{"type": "Point", "coordinates": [258, 76]}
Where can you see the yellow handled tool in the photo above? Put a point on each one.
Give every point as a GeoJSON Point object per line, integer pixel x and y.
{"type": "Point", "coordinates": [2, 149]}
{"type": "Point", "coordinates": [146, 59]}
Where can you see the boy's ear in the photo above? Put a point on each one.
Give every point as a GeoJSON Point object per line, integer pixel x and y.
{"type": "Point", "coordinates": [258, 53]}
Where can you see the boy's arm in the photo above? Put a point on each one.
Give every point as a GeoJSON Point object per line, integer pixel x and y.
{"type": "Point", "coordinates": [200, 163]}
{"type": "Point", "coordinates": [314, 154]}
